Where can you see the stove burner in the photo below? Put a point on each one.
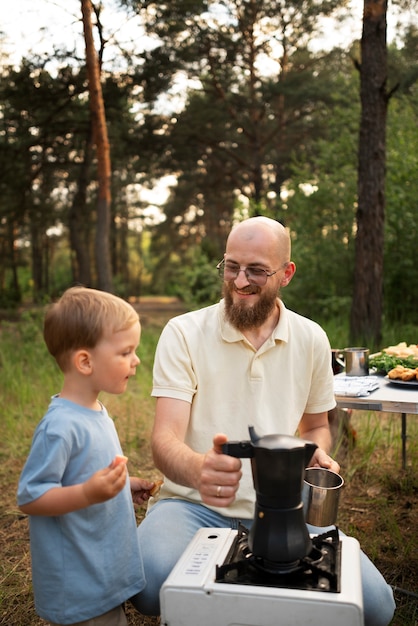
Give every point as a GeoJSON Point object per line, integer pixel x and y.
{"type": "Point", "coordinates": [318, 571]}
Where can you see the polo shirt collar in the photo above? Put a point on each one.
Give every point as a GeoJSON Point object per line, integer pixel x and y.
{"type": "Point", "coordinates": [231, 334]}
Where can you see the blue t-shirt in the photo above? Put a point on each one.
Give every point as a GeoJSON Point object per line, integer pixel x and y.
{"type": "Point", "coordinates": [86, 562]}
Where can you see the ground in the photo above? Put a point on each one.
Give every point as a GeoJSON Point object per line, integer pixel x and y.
{"type": "Point", "coordinates": [362, 512]}
{"type": "Point", "coordinates": [379, 506]}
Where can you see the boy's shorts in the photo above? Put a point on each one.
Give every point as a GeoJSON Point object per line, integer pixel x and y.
{"type": "Point", "coordinates": [115, 617]}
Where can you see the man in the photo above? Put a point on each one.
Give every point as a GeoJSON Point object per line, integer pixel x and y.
{"type": "Point", "coordinates": [244, 361]}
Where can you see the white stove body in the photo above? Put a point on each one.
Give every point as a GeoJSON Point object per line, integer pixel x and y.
{"type": "Point", "coordinates": [190, 595]}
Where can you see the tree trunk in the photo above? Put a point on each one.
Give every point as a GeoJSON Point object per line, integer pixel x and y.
{"type": "Point", "coordinates": [9, 260]}
{"type": "Point", "coordinates": [36, 257]}
{"type": "Point", "coordinates": [79, 221]}
{"type": "Point", "coordinates": [367, 304]}
{"type": "Point", "coordinates": [102, 249]}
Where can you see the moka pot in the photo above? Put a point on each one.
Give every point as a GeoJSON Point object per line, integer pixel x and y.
{"type": "Point", "coordinates": [278, 535]}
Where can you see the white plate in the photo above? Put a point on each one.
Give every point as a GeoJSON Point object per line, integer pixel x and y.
{"type": "Point", "coordinates": [402, 383]}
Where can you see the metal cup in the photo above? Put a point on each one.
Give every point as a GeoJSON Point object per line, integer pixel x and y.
{"type": "Point", "coordinates": [356, 361]}
{"type": "Point", "coordinates": [320, 496]}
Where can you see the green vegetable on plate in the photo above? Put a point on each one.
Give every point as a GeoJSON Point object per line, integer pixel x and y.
{"type": "Point", "coordinates": [383, 362]}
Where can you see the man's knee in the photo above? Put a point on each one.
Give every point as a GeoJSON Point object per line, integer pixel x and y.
{"type": "Point", "coordinates": [147, 602]}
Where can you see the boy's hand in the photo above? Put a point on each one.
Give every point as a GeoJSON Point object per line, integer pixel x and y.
{"type": "Point", "coordinates": [142, 489]}
{"type": "Point", "coordinates": [119, 458]}
{"type": "Point", "coordinates": [106, 483]}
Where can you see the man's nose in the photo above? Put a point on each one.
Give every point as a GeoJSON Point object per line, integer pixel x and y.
{"type": "Point", "coordinates": [241, 279]}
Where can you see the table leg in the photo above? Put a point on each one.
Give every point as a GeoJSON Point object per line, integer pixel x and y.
{"type": "Point", "coordinates": [404, 437]}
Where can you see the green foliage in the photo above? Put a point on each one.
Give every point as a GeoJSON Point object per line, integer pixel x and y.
{"type": "Point", "coordinates": [194, 280]}
{"type": "Point", "coordinates": [202, 285]}
{"type": "Point", "coordinates": [320, 212]}
{"type": "Point", "coordinates": [232, 142]}
{"type": "Point", "coordinates": [243, 140]}
{"type": "Point", "coordinates": [28, 377]}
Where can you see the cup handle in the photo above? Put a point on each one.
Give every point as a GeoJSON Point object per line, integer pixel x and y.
{"type": "Point", "coordinates": [339, 357]}
{"type": "Point", "coordinates": [340, 360]}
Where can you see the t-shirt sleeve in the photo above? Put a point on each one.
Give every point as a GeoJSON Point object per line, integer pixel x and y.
{"type": "Point", "coordinates": [321, 396]}
{"type": "Point", "coordinates": [173, 374]}
{"type": "Point", "coordinates": [44, 467]}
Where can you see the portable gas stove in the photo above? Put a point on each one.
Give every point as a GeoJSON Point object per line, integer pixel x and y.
{"type": "Point", "coordinates": [218, 581]}
{"type": "Point", "coordinates": [276, 573]}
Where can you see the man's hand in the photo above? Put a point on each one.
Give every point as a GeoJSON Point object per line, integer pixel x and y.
{"type": "Point", "coordinates": [315, 427]}
{"type": "Point", "coordinates": [220, 475]}
{"type": "Point", "coordinates": [322, 459]}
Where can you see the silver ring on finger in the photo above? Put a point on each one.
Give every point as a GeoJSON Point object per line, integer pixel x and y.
{"type": "Point", "coordinates": [218, 491]}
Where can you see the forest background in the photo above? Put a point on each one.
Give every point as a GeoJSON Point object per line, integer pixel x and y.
{"type": "Point", "coordinates": [242, 108]}
{"type": "Point", "coordinates": [238, 107]}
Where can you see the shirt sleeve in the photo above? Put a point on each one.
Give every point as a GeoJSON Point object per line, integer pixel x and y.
{"type": "Point", "coordinates": [321, 397]}
{"type": "Point", "coordinates": [44, 468]}
{"type": "Point", "coordinates": [173, 374]}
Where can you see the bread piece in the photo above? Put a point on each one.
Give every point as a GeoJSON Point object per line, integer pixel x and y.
{"type": "Point", "coordinates": [402, 350]}
{"type": "Point", "coordinates": [403, 373]}
{"type": "Point", "coordinates": [408, 374]}
{"type": "Point", "coordinates": [396, 372]}
{"type": "Point", "coordinates": [156, 489]}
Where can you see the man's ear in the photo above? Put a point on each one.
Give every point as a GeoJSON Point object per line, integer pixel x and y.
{"type": "Point", "coordinates": [82, 361]}
{"type": "Point", "coordinates": [289, 272]}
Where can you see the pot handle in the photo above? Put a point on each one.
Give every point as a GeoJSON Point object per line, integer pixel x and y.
{"type": "Point", "coordinates": [239, 449]}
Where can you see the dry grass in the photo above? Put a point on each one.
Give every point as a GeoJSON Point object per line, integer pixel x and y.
{"type": "Point", "coordinates": [379, 504]}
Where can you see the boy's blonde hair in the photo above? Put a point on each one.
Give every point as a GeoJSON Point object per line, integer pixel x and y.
{"type": "Point", "coordinates": [81, 317]}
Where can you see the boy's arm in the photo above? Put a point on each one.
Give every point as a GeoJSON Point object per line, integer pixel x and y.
{"type": "Point", "coordinates": [102, 486]}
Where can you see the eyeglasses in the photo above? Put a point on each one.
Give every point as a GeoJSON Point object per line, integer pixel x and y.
{"type": "Point", "coordinates": [255, 275]}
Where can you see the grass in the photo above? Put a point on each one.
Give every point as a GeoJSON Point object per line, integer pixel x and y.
{"type": "Point", "coordinates": [379, 503]}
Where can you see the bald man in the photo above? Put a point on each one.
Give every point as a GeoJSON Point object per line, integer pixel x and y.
{"type": "Point", "coordinates": [246, 360]}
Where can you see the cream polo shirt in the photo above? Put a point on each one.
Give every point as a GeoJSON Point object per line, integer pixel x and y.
{"type": "Point", "coordinates": [202, 359]}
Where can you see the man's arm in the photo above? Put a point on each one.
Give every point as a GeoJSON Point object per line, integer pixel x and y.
{"type": "Point", "coordinates": [182, 465]}
{"type": "Point", "coordinates": [171, 455]}
{"type": "Point", "coordinates": [315, 427]}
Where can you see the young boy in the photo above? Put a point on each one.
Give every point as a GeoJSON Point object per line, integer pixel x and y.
{"type": "Point", "coordinates": [86, 560]}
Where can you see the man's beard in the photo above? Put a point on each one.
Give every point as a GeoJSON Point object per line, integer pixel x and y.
{"type": "Point", "coordinates": [244, 317]}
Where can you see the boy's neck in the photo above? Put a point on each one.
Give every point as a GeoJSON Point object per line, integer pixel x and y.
{"type": "Point", "coordinates": [84, 396]}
